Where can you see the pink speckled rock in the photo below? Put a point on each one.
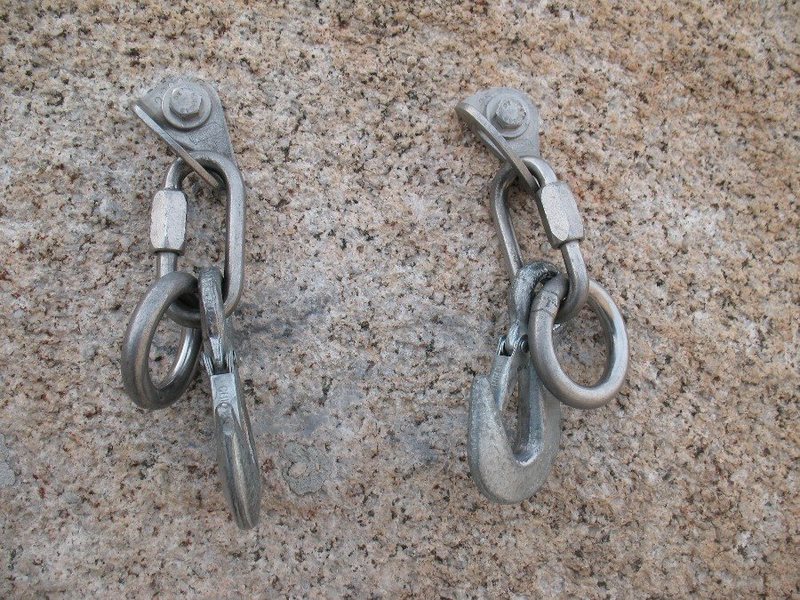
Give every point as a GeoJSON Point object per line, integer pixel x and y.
{"type": "Point", "coordinates": [375, 291]}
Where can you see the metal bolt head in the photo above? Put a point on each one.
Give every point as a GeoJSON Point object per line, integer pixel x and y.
{"type": "Point", "coordinates": [510, 113]}
{"type": "Point", "coordinates": [185, 102]}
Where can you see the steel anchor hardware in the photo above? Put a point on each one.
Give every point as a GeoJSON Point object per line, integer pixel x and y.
{"type": "Point", "coordinates": [188, 115]}
{"type": "Point", "coordinates": [507, 472]}
{"type": "Point", "coordinates": [236, 451]}
{"type": "Point", "coordinates": [507, 122]}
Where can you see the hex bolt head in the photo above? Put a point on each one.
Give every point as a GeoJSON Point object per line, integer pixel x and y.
{"type": "Point", "coordinates": [510, 113]}
{"type": "Point", "coordinates": [185, 102]}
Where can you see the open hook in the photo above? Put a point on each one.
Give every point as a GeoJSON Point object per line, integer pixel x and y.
{"type": "Point", "coordinates": [236, 453]}
{"type": "Point", "coordinates": [236, 449]}
{"type": "Point", "coordinates": [506, 471]}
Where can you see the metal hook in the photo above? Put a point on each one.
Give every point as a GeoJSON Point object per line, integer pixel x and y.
{"type": "Point", "coordinates": [236, 452]}
{"type": "Point", "coordinates": [503, 471]}
{"type": "Point", "coordinates": [507, 122]}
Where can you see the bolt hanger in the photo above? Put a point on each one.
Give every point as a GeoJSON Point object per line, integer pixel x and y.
{"type": "Point", "coordinates": [187, 114]}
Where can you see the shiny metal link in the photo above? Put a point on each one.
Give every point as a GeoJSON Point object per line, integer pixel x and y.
{"type": "Point", "coordinates": [570, 249]}
{"type": "Point", "coordinates": [506, 470]}
{"type": "Point", "coordinates": [142, 328]}
{"type": "Point", "coordinates": [186, 313]}
{"type": "Point", "coordinates": [236, 451]}
{"type": "Point", "coordinates": [542, 317]}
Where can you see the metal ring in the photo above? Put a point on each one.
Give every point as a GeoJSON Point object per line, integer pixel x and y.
{"type": "Point", "coordinates": [188, 314]}
{"type": "Point", "coordinates": [135, 361]}
{"type": "Point", "coordinates": [570, 251]}
{"type": "Point", "coordinates": [540, 330]}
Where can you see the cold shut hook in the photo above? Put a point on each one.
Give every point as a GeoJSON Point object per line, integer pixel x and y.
{"type": "Point", "coordinates": [509, 471]}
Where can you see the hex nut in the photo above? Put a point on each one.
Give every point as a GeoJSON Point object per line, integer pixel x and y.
{"type": "Point", "coordinates": [186, 105]}
{"type": "Point", "coordinates": [185, 101]}
{"type": "Point", "coordinates": [510, 113]}
{"type": "Point", "coordinates": [168, 221]}
{"type": "Point", "coordinates": [560, 215]}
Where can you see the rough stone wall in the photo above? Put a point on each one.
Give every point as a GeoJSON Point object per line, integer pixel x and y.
{"type": "Point", "coordinates": [375, 292]}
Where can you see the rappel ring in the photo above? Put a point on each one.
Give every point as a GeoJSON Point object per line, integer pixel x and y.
{"type": "Point", "coordinates": [540, 329]}
{"type": "Point", "coordinates": [139, 337]}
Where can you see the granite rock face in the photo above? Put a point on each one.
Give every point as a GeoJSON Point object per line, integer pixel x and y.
{"type": "Point", "coordinates": [376, 291]}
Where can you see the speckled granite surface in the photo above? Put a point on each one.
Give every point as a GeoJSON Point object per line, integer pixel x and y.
{"type": "Point", "coordinates": [376, 291]}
